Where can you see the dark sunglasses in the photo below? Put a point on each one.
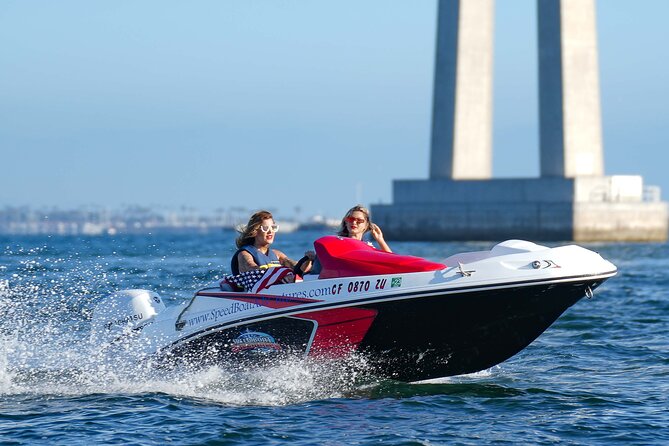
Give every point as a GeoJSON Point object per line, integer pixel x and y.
{"type": "Point", "coordinates": [355, 220]}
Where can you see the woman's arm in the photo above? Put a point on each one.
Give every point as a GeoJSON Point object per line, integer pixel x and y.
{"type": "Point", "coordinates": [378, 236]}
{"type": "Point", "coordinates": [305, 264]}
{"type": "Point", "coordinates": [284, 260]}
{"type": "Point", "coordinates": [288, 263]}
{"type": "Point", "coordinates": [246, 262]}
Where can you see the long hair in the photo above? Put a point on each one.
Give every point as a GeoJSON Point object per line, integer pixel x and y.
{"type": "Point", "coordinates": [343, 230]}
{"type": "Point", "coordinates": [248, 235]}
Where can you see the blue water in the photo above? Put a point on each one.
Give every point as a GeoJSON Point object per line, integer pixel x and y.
{"type": "Point", "coordinates": [599, 375]}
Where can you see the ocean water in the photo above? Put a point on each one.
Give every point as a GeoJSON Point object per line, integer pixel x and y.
{"type": "Point", "coordinates": [599, 375]}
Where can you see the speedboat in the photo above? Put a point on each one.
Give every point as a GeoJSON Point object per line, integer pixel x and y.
{"type": "Point", "coordinates": [411, 319]}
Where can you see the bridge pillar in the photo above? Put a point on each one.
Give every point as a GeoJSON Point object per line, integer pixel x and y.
{"type": "Point", "coordinates": [572, 200]}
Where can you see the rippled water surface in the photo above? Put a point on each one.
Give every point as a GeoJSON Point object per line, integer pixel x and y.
{"type": "Point", "coordinates": [599, 375]}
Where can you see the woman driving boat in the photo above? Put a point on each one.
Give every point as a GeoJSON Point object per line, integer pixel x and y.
{"type": "Point", "coordinates": [254, 247]}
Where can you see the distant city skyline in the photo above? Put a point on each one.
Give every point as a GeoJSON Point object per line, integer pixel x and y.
{"type": "Point", "coordinates": [98, 220]}
{"type": "Point", "coordinates": [281, 105]}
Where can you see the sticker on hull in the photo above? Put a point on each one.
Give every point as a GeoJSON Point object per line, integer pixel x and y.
{"type": "Point", "coordinates": [254, 342]}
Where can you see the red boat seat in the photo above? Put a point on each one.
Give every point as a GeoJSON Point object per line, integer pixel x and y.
{"type": "Point", "coordinates": [347, 257]}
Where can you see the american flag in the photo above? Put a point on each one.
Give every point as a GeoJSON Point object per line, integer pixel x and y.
{"type": "Point", "coordinates": [257, 279]}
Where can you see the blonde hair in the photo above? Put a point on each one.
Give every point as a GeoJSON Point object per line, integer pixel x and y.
{"type": "Point", "coordinates": [343, 229]}
{"type": "Point", "coordinates": [248, 235]}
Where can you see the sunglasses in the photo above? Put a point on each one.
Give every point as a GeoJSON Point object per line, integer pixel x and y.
{"type": "Point", "coordinates": [267, 228]}
{"type": "Point", "coordinates": [355, 220]}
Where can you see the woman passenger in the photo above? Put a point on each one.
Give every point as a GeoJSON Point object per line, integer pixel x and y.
{"type": "Point", "coordinates": [356, 223]}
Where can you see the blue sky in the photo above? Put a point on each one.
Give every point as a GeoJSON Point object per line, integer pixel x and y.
{"type": "Point", "coordinates": [279, 104]}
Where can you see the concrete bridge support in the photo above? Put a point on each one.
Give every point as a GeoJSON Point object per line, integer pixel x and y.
{"type": "Point", "coordinates": [572, 200]}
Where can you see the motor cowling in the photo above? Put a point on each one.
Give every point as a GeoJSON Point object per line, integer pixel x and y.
{"type": "Point", "coordinates": [124, 312]}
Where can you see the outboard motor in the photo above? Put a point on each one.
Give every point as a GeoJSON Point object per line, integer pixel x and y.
{"type": "Point", "coordinates": [123, 312]}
